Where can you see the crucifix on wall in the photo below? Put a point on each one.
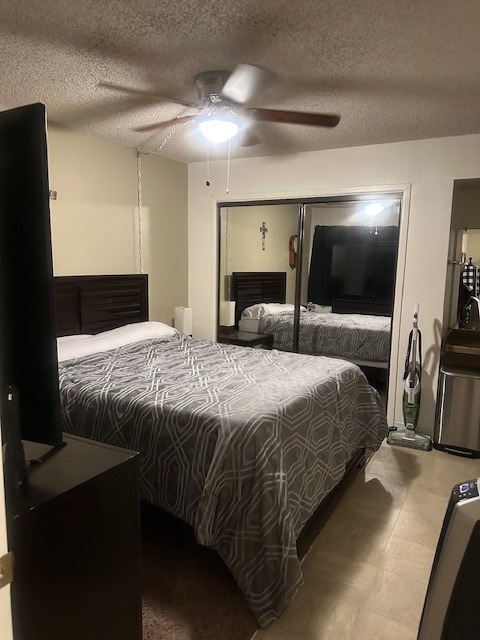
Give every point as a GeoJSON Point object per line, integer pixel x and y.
{"type": "Point", "coordinates": [263, 231]}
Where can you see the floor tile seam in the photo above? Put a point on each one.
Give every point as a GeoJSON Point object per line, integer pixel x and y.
{"type": "Point", "coordinates": [409, 622]}
{"type": "Point", "coordinates": [406, 576]}
{"type": "Point", "coordinates": [383, 617]}
{"type": "Point", "coordinates": [415, 581]}
{"type": "Point", "coordinates": [429, 548]}
{"type": "Point", "coordinates": [321, 636]}
{"type": "Point", "coordinates": [426, 511]}
{"type": "Point", "coordinates": [342, 514]}
{"type": "Point", "coordinates": [383, 515]}
{"type": "Point", "coordinates": [431, 522]}
{"type": "Point", "coordinates": [354, 595]}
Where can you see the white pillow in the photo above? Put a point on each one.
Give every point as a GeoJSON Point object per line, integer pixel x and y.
{"type": "Point", "coordinates": [138, 331]}
{"type": "Point", "coordinates": [74, 338]}
{"type": "Point", "coordinates": [114, 338]}
{"type": "Point", "coordinates": [322, 309]}
{"type": "Point", "coordinates": [263, 309]}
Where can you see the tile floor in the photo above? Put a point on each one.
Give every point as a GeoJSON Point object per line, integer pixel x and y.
{"type": "Point", "coordinates": [367, 572]}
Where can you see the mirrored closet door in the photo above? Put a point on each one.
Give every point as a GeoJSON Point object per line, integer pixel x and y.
{"type": "Point", "coordinates": [256, 278]}
{"type": "Point", "coordinates": [316, 278]}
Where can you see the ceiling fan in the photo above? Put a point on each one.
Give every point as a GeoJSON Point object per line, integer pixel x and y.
{"type": "Point", "coordinates": [220, 112]}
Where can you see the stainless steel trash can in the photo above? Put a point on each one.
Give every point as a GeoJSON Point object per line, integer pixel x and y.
{"type": "Point", "coordinates": [457, 419]}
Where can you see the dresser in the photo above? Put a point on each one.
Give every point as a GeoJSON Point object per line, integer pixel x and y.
{"type": "Point", "coordinates": [75, 534]}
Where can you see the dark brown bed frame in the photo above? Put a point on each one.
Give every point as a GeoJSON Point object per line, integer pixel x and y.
{"type": "Point", "coordinates": [252, 287]}
{"type": "Point", "coordinates": [90, 304]}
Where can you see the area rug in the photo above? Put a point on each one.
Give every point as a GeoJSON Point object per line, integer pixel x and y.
{"type": "Point", "coordinates": [188, 593]}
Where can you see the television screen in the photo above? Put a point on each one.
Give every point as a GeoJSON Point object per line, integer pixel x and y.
{"type": "Point", "coordinates": [352, 262]}
{"type": "Point", "coordinates": [362, 269]}
{"type": "Point", "coordinates": [28, 355]}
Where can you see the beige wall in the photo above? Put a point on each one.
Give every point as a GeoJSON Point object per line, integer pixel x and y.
{"type": "Point", "coordinates": [466, 209]}
{"type": "Point", "coordinates": [165, 198]}
{"type": "Point", "coordinates": [424, 170]}
{"type": "Point", "coordinates": [244, 241]}
{"type": "Point", "coordinates": [473, 246]}
{"type": "Point", "coordinates": [95, 226]}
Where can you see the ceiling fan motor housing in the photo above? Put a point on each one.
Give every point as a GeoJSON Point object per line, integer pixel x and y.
{"type": "Point", "coordinates": [210, 84]}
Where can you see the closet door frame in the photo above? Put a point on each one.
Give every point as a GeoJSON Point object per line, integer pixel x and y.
{"type": "Point", "coordinates": [302, 207]}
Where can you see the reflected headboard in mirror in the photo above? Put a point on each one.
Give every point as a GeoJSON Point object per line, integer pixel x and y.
{"type": "Point", "coordinates": [90, 304]}
{"type": "Point", "coordinates": [254, 287]}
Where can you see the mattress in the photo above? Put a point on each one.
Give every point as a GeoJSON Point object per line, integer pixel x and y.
{"type": "Point", "coordinates": [242, 444]}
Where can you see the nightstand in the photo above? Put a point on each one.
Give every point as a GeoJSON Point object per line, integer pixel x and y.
{"type": "Point", "coordinates": [247, 339]}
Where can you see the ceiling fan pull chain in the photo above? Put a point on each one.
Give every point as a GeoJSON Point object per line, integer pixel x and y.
{"type": "Point", "coordinates": [170, 133]}
{"type": "Point", "coordinates": [227, 189]}
{"type": "Point", "coordinates": [207, 182]}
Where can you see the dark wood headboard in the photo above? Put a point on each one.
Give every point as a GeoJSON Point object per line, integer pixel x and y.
{"type": "Point", "coordinates": [90, 304]}
{"type": "Point", "coordinates": [253, 287]}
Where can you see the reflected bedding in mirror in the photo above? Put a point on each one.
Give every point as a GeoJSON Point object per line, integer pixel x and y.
{"type": "Point", "coordinates": [356, 337]}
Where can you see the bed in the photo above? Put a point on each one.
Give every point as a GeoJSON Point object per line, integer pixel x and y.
{"type": "Point", "coordinates": [357, 330]}
{"type": "Point", "coordinates": [242, 444]}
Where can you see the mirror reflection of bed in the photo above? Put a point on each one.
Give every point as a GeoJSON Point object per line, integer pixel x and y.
{"type": "Point", "coordinates": [346, 284]}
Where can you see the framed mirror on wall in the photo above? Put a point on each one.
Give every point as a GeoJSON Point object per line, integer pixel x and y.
{"type": "Point", "coordinates": [312, 277]}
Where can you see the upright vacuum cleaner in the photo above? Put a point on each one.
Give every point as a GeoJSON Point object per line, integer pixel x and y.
{"type": "Point", "coordinates": [408, 436]}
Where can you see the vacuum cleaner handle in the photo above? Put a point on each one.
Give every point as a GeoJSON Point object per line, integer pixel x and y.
{"type": "Point", "coordinates": [407, 357]}
{"type": "Point", "coordinates": [414, 338]}
{"type": "Point", "coordinates": [415, 316]}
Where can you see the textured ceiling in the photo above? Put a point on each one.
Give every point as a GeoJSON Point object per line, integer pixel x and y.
{"type": "Point", "coordinates": [394, 70]}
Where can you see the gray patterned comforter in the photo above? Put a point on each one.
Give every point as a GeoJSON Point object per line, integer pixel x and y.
{"type": "Point", "coordinates": [241, 443]}
{"type": "Point", "coordinates": [351, 336]}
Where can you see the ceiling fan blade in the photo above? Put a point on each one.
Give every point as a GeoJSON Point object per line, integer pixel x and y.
{"type": "Point", "coordinates": [250, 138]}
{"type": "Point", "coordinates": [294, 117]}
{"type": "Point", "coordinates": [165, 124]}
{"type": "Point", "coordinates": [155, 97]}
{"type": "Point", "coordinates": [244, 82]}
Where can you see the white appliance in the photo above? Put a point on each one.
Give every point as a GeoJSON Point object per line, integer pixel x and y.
{"type": "Point", "coordinates": [452, 604]}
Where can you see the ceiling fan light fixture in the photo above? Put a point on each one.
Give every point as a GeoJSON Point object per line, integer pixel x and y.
{"type": "Point", "coordinates": [374, 208]}
{"type": "Point", "coordinates": [218, 129]}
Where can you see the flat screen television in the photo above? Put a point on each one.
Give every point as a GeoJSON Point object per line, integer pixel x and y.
{"type": "Point", "coordinates": [353, 263]}
{"type": "Point", "coordinates": [28, 350]}
{"type": "Point", "coordinates": [362, 269]}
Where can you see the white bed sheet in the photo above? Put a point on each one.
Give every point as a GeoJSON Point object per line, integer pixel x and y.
{"type": "Point", "coordinates": [249, 324]}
